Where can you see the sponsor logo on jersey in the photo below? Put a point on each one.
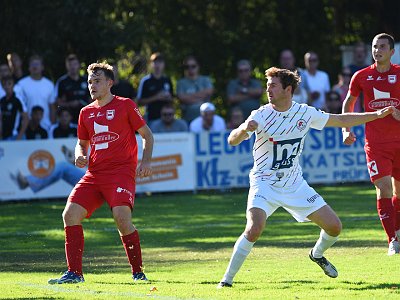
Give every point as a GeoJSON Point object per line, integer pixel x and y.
{"type": "Point", "coordinates": [392, 78]}
{"type": "Point", "coordinates": [372, 168]}
{"type": "Point", "coordinates": [382, 103]}
{"type": "Point", "coordinates": [110, 114]}
{"type": "Point", "coordinates": [104, 137]}
{"type": "Point", "coordinates": [122, 190]}
{"type": "Point", "coordinates": [301, 124]}
{"type": "Point", "coordinates": [92, 115]}
{"type": "Point", "coordinates": [138, 112]}
{"type": "Point", "coordinates": [99, 114]}
{"type": "Point", "coordinates": [285, 152]}
{"type": "Point", "coordinates": [41, 163]}
{"type": "Point", "coordinates": [370, 77]}
{"type": "Point", "coordinates": [380, 78]}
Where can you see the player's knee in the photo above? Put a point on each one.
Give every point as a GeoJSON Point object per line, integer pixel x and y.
{"type": "Point", "coordinates": [335, 228]}
{"type": "Point", "coordinates": [253, 232]}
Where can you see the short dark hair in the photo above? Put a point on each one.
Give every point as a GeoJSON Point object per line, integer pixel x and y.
{"type": "Point", "coordinates": [105, 67]}
{"type": "Point", "coordinates": [286, 77]}
{"type": "Point", "coordinates": [37, 108]}
{"type": "Point", "coordinates": [190, 57]}
{"type": "Point", "coordinates": [386, 36]}
{"type": "Point", "coordinates": [35, 57]}
{"type": "Point", "coordinates": [71, 57]}
{"type": "Point", "coordinates": [168, 105]}
{"type": "Point", "coordinates": [61, 110]}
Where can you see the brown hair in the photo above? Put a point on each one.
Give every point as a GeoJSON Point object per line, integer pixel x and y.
{"type": "Point", "coordinates": [105, 67]}
{"type": "Point", "coordinates": [386, 36]}
{"type": "Point", "coordinates": [286, 77]}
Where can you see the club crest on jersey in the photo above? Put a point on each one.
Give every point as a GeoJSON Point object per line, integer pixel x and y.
{"type": "Point", "coordinates": [110, 114]}
{"type": "Point", "coordinates": [392, 78]}
{"type": "Point", "coordinates": [301, 124]}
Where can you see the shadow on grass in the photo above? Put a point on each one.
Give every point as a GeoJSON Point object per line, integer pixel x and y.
{"type": "Point", "coordinates": [363, 286]}
{"type": "Point", "coordinates": [32, 233]}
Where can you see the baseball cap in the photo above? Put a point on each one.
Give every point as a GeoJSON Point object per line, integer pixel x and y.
{"type": "Point", "coordinates": [207, 107]}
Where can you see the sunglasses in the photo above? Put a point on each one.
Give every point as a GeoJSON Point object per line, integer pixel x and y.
{"type": "Point", "coordinates": [243, 70]}
{"type": "Point", "coordinates": [167, 114]}
{"type": "Point", "coordinates": [189, 67]}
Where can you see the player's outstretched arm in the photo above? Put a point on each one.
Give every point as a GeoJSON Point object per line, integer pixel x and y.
{"type": "Point", "coordinates": [81, 148]}
{"type": "Point", "coordinates": [348, 106]}
{"type": "Point", "coordinates": [144, 168]}
{"type": "Point", "coordinates": [353, 119]}
{"type": "Point", "coordinates": [240, 134]}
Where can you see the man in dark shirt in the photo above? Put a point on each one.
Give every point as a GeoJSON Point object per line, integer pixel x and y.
{"type": "Point", "coordinates": [155, 89]}
{"type": "Point", "coordinates": [71, 89]}
{"type": "Point", "coordinates": [14, 117]}
{"type": "Point", "coordinates": [34, 130]}
{"type": "Point", "coordinates": [121, 87]}
{"type": "Point", "coordinates": [64, 128]}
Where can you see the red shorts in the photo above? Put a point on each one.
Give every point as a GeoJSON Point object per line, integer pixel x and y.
{"type": "Point", "coordinates": [91, 194]}
{"type": "Point", "coordinates": [383, 160]}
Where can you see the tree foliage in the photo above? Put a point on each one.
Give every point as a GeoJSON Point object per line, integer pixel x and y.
{"type": "Point", "coordinates": [217, 32]}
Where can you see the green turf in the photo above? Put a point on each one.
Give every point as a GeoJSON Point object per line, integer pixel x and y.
{"type": "Point", "coordinates": [187, 242]}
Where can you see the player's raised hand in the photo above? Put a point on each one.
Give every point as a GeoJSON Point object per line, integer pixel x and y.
{"type": "Point", "coordinates": [348, 137]}
{"type": "Point", "coordinates": [250, 125]}
{"type": "Point", "coordinates": [144, 169]}
{"type": "Point", "coordinates": [396, 114]}
{"type": "Point", "coordinates": [385, 111]}
{"type": "Point", "coordinates": [81, 161]}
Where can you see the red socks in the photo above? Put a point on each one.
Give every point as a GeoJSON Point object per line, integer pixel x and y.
{"type": "Point", "coordinates": [74, 248]}
{"type": "Point", "coordinates": [396, 205]}
{"type": "Point", "coordinates": [131, 244]}
{"type": "Point", "coordinates": [387, 214]}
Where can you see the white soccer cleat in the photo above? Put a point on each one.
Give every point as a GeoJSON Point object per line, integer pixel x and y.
{"type": "Point", "coordinates": [394, 248]}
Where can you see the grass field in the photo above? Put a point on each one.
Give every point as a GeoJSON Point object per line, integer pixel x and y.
{"type": "Point", "coordinates": [187, 242]}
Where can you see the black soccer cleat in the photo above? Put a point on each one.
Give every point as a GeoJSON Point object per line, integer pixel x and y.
{"type": "Point", "coordinates": [223, 284]}
{"type": "Point", "coordinates": [325, 265]}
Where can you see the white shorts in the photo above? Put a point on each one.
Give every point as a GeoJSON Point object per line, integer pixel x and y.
{"type": "Point", "coordinates": [300, 202]}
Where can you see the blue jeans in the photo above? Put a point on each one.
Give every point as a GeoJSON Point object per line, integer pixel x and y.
{"type": "Point", "coordinates": [62, 170]}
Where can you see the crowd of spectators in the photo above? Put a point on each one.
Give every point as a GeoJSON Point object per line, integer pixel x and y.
{"type": "Point", "coordinates": [32, 107]}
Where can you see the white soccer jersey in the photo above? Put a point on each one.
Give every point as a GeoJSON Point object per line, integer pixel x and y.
{"type": "Point", "coordinates": [279, 142]}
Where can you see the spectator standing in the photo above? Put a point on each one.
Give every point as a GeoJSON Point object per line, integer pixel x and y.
{"type": "Point", "coordinates": [71, 89]}
{"type": "Point", "coordinates": [318, 81]}
{"type": "Point", "coordinates": [244, 91]}
{"type": "Point", "coordinates": [64, 127]}
{"type": "Point", "coordinates": [155, 89]}
{"type": "Point", "coordinates": [359, 57]}
{"type": "Point", "coordinates": [168, 122]}
{"type": "Point", "coordinates": [342, 87]}
{"type": "Point", "coordinates": [35, 131]}
{"type": "Point", "coordinates": [6, 72]}
{"type": "Point", "coordinates": [15, 65]}
{"type": "Point", "coordinates": [14, 118]}
{"type": "Point", "coordinates": [38, 90]}
{"type": "Point", "coordinates": [333, 103]}
{"type": "Point", "coordinates": [193, 90]}
{"type": "Point", "coordinates": [122, 88]}
{"type": "Point", "coordinates": [208, 120]}
{"type": "Point", "coordinates": [236, 118]}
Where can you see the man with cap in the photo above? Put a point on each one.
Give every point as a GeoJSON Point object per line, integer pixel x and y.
{"type": "Point", "coordinates": [155, 89]}
{"type": "Point", "coordinates": [208, 120]}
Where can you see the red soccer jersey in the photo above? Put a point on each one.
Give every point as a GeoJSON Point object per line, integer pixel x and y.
{"type": "Point", "coordinates": [374, 86]}
{"type": "Point", "coordinates": [111, 131]}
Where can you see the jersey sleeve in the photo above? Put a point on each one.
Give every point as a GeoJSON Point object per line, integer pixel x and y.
{"type": "Point", "coordinates": [135, 117]}
{"type": "Point", "coordinates": [354, 87]}
{"type": "Point", "coordinates": [83, 133]}
{"type": "Point", "coordinates": [255, 116]}
{"type": "Point", "coordinates": [319, 118]}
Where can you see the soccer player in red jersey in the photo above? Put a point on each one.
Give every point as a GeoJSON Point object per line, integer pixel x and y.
{"type": "Point", "coordinates": [381, 80]}
{"type": "Point", "coordinates": [108, 126]}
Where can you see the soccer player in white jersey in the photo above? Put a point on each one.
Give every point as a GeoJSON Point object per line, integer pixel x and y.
{"type": "Point", "coordinates": [276, 178]}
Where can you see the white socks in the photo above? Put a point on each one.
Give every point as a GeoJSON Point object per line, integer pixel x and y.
{"type": "Point", "coordinates": [324, 242]}
{"type": "Point", "coordinates": [241, 249]}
